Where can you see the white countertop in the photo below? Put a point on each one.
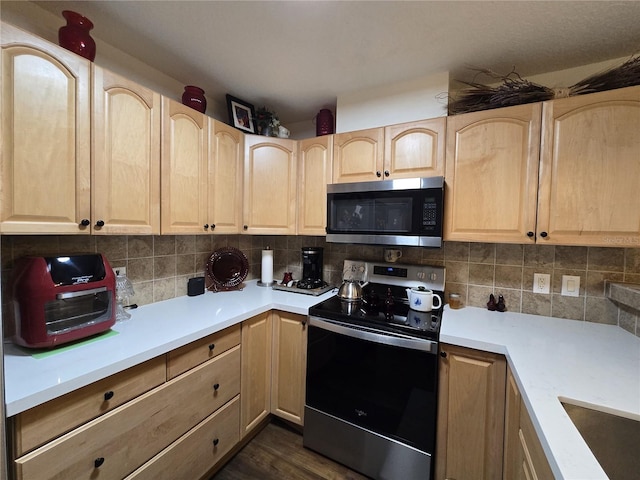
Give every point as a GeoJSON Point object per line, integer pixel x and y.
{"type": "Point", "coordinates": [152, 330]}
{"type": "Point", "coordinates": [583, 363]}
{"type": "Point", "coordinates": [586, 363]}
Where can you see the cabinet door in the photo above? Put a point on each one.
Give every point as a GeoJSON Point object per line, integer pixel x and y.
{"type": "Point", "coordinates": [534, 463]}
{"type": "Point", "coordinates": [492, 175]}
{"type": "Point", "coordinates": [357, 156]}
{"type": "Point", "coordinates": [269, 205]}
{"type": "Point", "coordinates": [289, 366]}
{"type": "Point", "coordinates": [45, 159]}
{"type": "Point", "coordinates": [314, 173]}
{"type": "Point", "coordinates": [470, 414]}
{"type": "Point", "coordinates": [415, 149]}
{"type": "Point", "coordinates": [184, 169]}
{"type": "Point", "coordinates": [125, 161]}
{"type": "Point", "coordinates": [512, 452]}
{"type": "Point", "coordinates": [256, 372]}
{"type": "Point", "coordinates": [225, 178]}
{"type": "Point", "coordinates": [590, 170]}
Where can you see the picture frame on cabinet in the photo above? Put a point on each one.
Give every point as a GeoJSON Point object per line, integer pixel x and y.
{"type": "Point", "coordinates": [241, 114]}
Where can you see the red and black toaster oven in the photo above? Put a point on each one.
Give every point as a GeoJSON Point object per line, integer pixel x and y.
{"type": "Point", "coordinates": [60, 299]}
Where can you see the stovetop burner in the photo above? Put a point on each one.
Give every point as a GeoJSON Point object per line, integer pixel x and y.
{"type": "Point", "coordinates": [371, 313]}
{"type": "Point", "coordinates": [384, 304]}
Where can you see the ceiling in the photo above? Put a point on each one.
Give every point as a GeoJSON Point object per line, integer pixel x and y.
{"type": "Point", "coordinates": [298, 56]}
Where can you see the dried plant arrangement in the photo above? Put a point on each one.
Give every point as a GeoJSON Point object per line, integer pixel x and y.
{"type": "Point", "coordinates": [626, 75]}
{"type": "Point", "coordinates": [514, 90]}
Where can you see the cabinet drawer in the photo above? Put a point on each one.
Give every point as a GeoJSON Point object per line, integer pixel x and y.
{"type": "Point", "coordinates": [195, 453]}
{"type": "Point", "coordinates": [184, 358]}
{"type": "Point", "coordinates": [40, 424]}
{"type": "Point", "coordinates": [115, 444]}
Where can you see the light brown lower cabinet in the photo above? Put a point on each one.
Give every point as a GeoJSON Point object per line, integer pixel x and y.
{"type": "Point", "coordinates": [471, 404]}
{"type": "Point", "coordinates": [484, 429]}
{"type": "Point", "coordinates": [190, 411]}
{"type": "Point", "coordinates": [193, 454]}
{"type": "Point", "coordinates": [289, 366]}
{"type": "Point", "coordinates": [256, 372]}
{"type": "Point", "coordinates": [524, 457]}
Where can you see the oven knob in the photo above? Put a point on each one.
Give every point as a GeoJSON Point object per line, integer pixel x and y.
{"type": "Point", "coordinates": [421, 275]}
{"type": "Point", "coordinates": [433, 277]}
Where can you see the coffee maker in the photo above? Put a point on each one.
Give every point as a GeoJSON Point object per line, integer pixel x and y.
{"type": "Point", "coordinates": [311, 268]}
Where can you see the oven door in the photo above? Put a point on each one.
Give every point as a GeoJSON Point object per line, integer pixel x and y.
{"type": "Point", "coordinates": [382, 383]}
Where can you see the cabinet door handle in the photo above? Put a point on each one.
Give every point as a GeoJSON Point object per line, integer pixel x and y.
{"type": "Point", "coordinates": [211, 347]}
{"type": "Point", "coordinates": [100, 223]}
{"type": "Point", "coordinates": [530, 234]}
{"type": "Point", "coordinates": [245, 227]}
{"type": "Point", "coordinates": [544, 234]}
{"type": "Point", "coordinates": [213, 225]}
{"type": "Point", "coordinates": [386, 173]}
{"type": "Point", "coordinates": [97, 463]}
{"type": "Point", "coordinates": [216, 386]}
{"type": "Point", "coordinates": [108, 395]}
{"type": "Point", "coordinates": [206, 226]}
{"type": "Point", "coordinates": [85, 222]}
{"type": "Point", "coordinates": [215, 442]}
{"type": "Point", "coordinates": [443, 354]}
{"type": "Point", "coordinates": [378, 174]}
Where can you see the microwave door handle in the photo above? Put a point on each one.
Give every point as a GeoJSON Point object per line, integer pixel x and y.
{"type": "Point", "coordinates": [83, 293]}
{"type": "Point", "coordinates": [362, 334]}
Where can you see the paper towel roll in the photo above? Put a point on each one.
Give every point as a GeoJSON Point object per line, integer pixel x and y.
{"type": "Point", "coordinates": [267, 266]}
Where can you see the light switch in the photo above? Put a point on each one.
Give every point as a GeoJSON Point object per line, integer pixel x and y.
{"type": "Point", "coordinates": [570, 286]}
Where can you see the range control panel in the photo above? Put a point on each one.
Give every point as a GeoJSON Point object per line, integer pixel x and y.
{"type": "Point", "coordinates": [395, 274]}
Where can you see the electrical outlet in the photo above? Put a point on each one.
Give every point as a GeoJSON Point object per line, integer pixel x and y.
{"type": "Point", "coordinates": [122, 270]}
{"type": "Point", "coordinates": [570, 286]}
{"type": "Point", "coordinates": [541, 283]}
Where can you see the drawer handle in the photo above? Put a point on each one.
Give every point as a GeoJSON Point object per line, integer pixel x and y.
{"type": "Point", "coordinates": [98, 462]}
{"type": "Point", "coordinates": [108, 395]}
{"type": "Point", "coordinates": [215, 442]}
{"type": "Point", "coordinates": [211, 347]}
{"type": "Point", "coordinates": [216, 386]}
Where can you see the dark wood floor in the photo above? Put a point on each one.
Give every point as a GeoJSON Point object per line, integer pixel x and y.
{"type": "Point", "coordinates": [276, 453]}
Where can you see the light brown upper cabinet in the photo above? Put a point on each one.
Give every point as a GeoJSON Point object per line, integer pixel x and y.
{"type": "Point", "coordinates": [125, 156]}
{"type": "Point", "coordinates": [46, 137]}
{"type": "Point", "coordinates": [357, 156]}
{"type": "Point", "coordinates": [415, 149]}
{"type": "Point", "coordinates": [492, 175]}
{"type": "Point", "coordinates": [406, 150]}
{"type": "Point", "coordinates": [581, 187]}
{"type": "Point", "coordinates": [226, 158]}
{"type": "Point", "coordinates": [184, 174]}
{"type": "Point", "coordinates": [314, 173]}
{"type": "Point", "coordinates": [269, 205]}
{"type": "Point", "coordinates": [590, 170]}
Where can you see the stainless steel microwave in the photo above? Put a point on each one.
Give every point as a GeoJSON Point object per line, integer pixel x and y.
{"type": "Point", "coordinates": [406, 211]}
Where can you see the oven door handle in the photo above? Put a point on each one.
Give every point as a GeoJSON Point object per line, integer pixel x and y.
{"type": "Point", "coordinates": [362, 333]}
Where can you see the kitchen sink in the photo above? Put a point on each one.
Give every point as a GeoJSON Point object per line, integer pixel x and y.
{"type": "Point", "coordinates": [614, 440]}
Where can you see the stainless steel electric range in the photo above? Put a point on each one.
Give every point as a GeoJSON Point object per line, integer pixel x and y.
{"type": "Point", "coordinates": [372, 374]}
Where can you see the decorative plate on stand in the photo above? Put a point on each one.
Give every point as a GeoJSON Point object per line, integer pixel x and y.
{"type": "Point", "coordinates": [226, 269]}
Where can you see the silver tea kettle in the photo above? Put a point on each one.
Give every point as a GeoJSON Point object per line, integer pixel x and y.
{"type": "Point", "coordinates": [351, 290]}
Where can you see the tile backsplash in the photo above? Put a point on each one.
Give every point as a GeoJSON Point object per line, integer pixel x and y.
{"type": "Point", "coordinates": [159, 267]}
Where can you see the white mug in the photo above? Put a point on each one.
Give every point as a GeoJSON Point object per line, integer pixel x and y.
{"type": "Point", "coordinates": [392, 255]}
{"type": "Point", "coordinates": [422, 299]}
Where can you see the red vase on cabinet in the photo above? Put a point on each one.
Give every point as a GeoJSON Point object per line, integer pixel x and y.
{"type": "Point", "coordinates": [194, 97]}
{"type": "Point", "coordinates": [324, 122]}
{"type": "Point", "coordinates": [74, 36]}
